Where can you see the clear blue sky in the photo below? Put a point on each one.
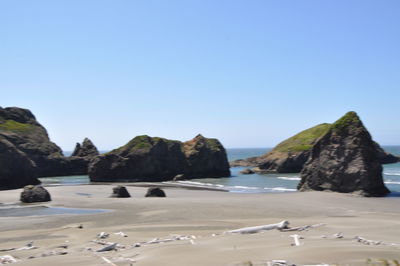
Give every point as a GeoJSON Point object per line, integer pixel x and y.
{"type": "Point", "coordinates": [250, 73]}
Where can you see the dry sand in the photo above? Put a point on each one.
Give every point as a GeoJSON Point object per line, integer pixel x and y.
{"type": "Point", "coordinates": [199, 215]}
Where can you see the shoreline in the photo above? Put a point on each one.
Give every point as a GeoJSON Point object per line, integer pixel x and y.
{"type": "Point", "coordinates": [206, 215]}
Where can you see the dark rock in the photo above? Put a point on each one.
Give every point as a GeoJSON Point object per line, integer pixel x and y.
{"type": "Point", "coordinates": [344, 160]}
{"type": "Point", "coordinates": [205, 158]}
{"type": "Point", "coordinates": [155, 192]}
{"type": "Point", "coordinates": [16, 169]}
{"type": "Point", "coordinates": [156, 159]}
{"type": "Point", "coordinates": [19, 127]}
{"type": "Point", "coordinates": [247, 171]}
{"type": "Point", "coordinates": [35, 194]}
{"type": "Point", "coordinates": [385, 157]}
{"type": "Point", "coordinates": [87, 149]}
{"type": "Point", "coordinates": [120, 192]}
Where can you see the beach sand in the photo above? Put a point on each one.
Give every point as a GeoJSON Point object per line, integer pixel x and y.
{"type": "Point", "coordinates": [203, 216]}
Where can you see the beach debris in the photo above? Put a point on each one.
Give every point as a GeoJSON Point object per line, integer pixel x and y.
{"type": "Point", "coordinates": [166, 240]}
{"type": "Point", "coordinates": [257, 229]}
{"type": "Point", "coordinates": [79, 226]}
{"type": "Point", "coordinates": [28, 246]}
{"type": "Point", "coordinates": [103, 235]}
{"type": "Point", "coordinates": [6, 259]}
{"type": "Point", "coordinates": [54, 253]}
{"type": "Point", "coordinates": [296, 239]}
{"type": "Point", "coordinates": [121, 234]}
{"type": "Point", "coordinates": [108, 261]}
{"type": "Point", "coordinates": [367, 241]}
{"type": "Point", "coordinates": [302, 228]}
{"type": "Point", "coordinates": [113, 246]}
{"type": "Point", "coordinates": [338, 235]}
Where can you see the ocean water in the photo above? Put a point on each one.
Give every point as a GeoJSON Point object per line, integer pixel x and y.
{"type": "Point", "coordinates": [256, 183]}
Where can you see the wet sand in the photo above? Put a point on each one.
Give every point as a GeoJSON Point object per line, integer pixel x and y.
{"type": "Point", "coordinates": [200, 218]}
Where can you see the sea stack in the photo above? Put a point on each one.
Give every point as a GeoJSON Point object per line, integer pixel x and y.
{"type": "Point", "coordinates": [87, 149]}
{"type": "Point", "coordinates": [344, 160]}
{"type": "Point", "coordinates": [154, 159]}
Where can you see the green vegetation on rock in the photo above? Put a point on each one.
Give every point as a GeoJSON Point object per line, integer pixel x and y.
{"type": "Point", "coordinates": [304, 140]}
{"type": "Point", "coordinates": [144, 142]}
{"type": "Point", "coordinates": [350, 119]}
{"type": "Point", "coordinates": [11, 125]}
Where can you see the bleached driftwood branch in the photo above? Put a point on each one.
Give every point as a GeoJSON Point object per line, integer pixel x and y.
{"type": "Point", "coordinates": [302, 228]}
{"type": "Point", "coordinates": [296, 239]}
{"type": "Point", "coordinates": [257, 229]}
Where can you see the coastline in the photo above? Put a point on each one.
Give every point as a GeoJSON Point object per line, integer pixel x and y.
{"type": "Point", "coordinates": [202, 213]}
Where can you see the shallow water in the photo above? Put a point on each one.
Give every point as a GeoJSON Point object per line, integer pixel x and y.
{"type": "Point", "coordinates": [44, 210]}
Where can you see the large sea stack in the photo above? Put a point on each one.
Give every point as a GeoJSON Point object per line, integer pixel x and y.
{"type": "Point", "coordinates": [16, 169]}
{"type": "Point", "coordinates": [87, 149]}
{"type": "Point", "coordinates": [151, 159]}
{"type": "Point", "coordinates": [344, 160]}
{"type": "Point", "coordinates": [20, 128]}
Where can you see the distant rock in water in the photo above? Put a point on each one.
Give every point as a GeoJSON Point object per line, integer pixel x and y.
{"type": "Point", "coordinates": [205, 157]}
{"type": "Point", "coordinates": [247, 171]}
{"type": "Point", "coordinates": [152, 159]}
{"type": "Point", "coordinates": [120, 192]}
{"type": "Point", "coordinates": [32, 194]}
{"type": "Point", "coordinates": [290, 155]}
{"type": "Point", "coordinates": [344, 160]}
{"type": "Point", "coordinates": [16, 169]}
{"type": "Point", "coordinates": [19, 127]}
{"type": "Point", "coordinates": [87, 149]}
{"type": "Point", "coordinates": [155, 192]}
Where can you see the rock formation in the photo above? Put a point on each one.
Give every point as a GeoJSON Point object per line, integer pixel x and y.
{"type": "Point", "coordinates": [247, 171]}
{"type": "Point", "coordinates": [155, 192]}
{"type": "Point", "coordinates": [120, 192]}
{"type": "Point", "coordinates": [87, 149]}
{"type": "Point", "coordinates": [20, 128]}
{"type": "Point", "coordinates": [205, 157]}
{"type": "Point", "coordinates": [32, 194]}
{"type": "Point", "coordinates": [345, 160]}
{"type": "Point", "coordinates": [157, 159]}
{"type": "Point", "coordinates": [290, 155]}
{"type": "Point", "coordinates": [16, 169]}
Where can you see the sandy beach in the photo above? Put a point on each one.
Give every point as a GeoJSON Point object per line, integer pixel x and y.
{"type": "Point", "coordinates": [190, 225]}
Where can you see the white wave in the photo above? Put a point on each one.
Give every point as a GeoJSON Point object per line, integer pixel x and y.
{"type": "Point", "coordinates": [392, 182]}
{"type": "Point", "coordinates": [243, 187]}
{"type": "Point", "coordinates": [392, 174]}
{"type": "Point", "coordinates": [280, 189]}
{"type": "Point", "coordinates": [289, 178]}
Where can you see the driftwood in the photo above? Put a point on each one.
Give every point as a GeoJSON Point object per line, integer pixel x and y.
{"type": "Point", "coordinates": [102, 235]}
{"type": "Point", "coordinates": [121, 234]}
{"type": "Point", "coordinates": [367, 241]}
{"type": "Point", "coordinates": [296, 239]}
{"type": "Point", "coordinates": [256, 229]}
{"type": "Point", "coordinates": [113, 246]}
{"type": "Point", "coordinates": [6, 259]}
{"type": "Point", "coordinates": [301, 228]}
{"type": "Point", "coordinates": [165, 240]}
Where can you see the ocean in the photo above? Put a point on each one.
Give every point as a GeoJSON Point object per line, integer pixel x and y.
{"type": "Point", "coordinates": [255, 183]}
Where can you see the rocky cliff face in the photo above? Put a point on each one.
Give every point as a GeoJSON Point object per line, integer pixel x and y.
{"type": "Point", "coordinates": [290, 155]}
{"type": "Point", "coordinates": [205, 157]}
{"type": "Point", "coordinates": [19, 127]}
{"type": "Point", "coordinates": [87, 149]}
{"type": "Point", "coordinates": [16, 169]}
{"type": "Point", "coordinates": [157, 159]}
{"type": "Point", "coordinates": [345, 160]}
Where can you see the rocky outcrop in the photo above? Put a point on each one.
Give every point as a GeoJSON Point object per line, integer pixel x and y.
{"type": "Point", "coordinates": [247, 171]}
{"type": "Point", "coordinates": [290, 155]}
{"type": "Point", "coordinates": [150, 159]}
{"type": "Point", "coordinates": [344, 160]}
{"type": "Point", "coordinates": [19, 127]}
{"type": "Point", "coordinates": [87, 149]}
{"type": "Point", "coordinates": [155, 192]}
{"type": "Point", "coordinates": [16, 169]}
{"type": "Point", "coordinates": [205, 157]}
{"type": "Point", "coordinates": [120, 192]}
{"type": "Point", "coordinates": [32, 194]}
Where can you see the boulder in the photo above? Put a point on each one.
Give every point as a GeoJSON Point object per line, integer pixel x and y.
{"type": "Point", "coordinates": [87, 149]}
{"type": "Point", "coordinates": [16, 169]}
{"type": "Point", "coordinates": [344, 160]}
{"type": "Point", "coordinates": [385, 157]}
{"type": "Point", "coordinates": [36, 193]}
{"type": "Point", "coordinates": [120, 192]}
{"type": "Point", "coordinates": [155, 192]}
{"type": "Point", "coordinates": [247, 171]}
{"type": "Point", "coordinates": [153, 159]}
{"type": "Point", "coordinates": [205, 157]}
